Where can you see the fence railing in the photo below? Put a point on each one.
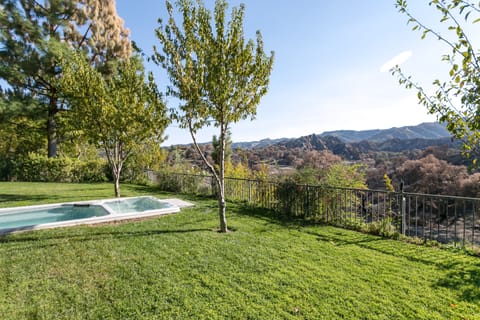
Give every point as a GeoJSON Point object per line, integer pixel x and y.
{"type": "Point", "coordinates": [446, 219]}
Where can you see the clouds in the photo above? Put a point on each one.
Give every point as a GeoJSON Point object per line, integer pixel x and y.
{"type": "Point", "coordinates": [395, 61]}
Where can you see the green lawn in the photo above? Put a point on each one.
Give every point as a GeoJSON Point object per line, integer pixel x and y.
{"type": "Point", "coordinates": [179, 267]}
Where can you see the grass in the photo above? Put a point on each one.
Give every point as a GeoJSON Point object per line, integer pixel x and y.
{"type": "Point", "coordinates": [178, 267]}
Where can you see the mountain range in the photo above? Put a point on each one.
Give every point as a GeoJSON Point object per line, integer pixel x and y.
{"type": "Point", "coordinates": [421, 134]}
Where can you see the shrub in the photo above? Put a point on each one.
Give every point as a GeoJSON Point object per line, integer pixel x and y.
{"type": "Point", "coordinates": [287, 194]}
{"type": "Point", "coordinates": [7, 168]}
{"type": "Point", "coordinates": [192, 182]}
{"type": "Point", "coordinates": [95, 170]}
{"type": "Point", "coordinates": [40, 168]}
{"type": "Point", "coordinates": [299, 200]}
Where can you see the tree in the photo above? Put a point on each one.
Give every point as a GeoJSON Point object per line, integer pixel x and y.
{"type": "Point", "coordinates": [32, 34]}
{"type": "Point", "coordinates": [119, 113]}
{"type": "Point", "coordinates": [216, 148]}
{"type": "Point", "coordinates": [456, 101]}
{"type": "Point", "coordinates": [431, 175]}
{"type": "Point", "coordinates": [217, 76]}
{"type": "Point", "coordinates": [20, 131]}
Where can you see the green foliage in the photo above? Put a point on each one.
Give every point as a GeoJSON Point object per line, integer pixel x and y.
{"type": "Point", "coordinates": [21, 124]}
{"type": "Point", "coordinates": [94, 170]}
{"type": "Point", "coordinates": [345, 176]}
{"type": "Point", "coordinates": [388, 183]}
{"type": "Point", "coordinates": [40, 168]}
{"type": "Point", "coordinates": [184, 183]}
{"type": "Point", "coordinates": [218, 76]}
{"type": "Point", "coordinates": [21, 130]}
{"type": "Point", "coordinates": [308, 175]}
{"type": "Point", "coordinates": [384, 228]}
{"type": "Point", "coordinates": [238, 171]}
{"type": "Point", "coordinates": [336, 175]}
{"type": "Point", "coordinates": [214, 71]}
{"type": "Point", "coordinates": [120, 113]}
{"type": "Point", "coordinates": [456, 100]}
{"type": "Point", "coordinates": [33, 35]}
{"type": "Point", "coordinates": [289, 195]}
{"type": "Point", "coordinates": [149, 156]}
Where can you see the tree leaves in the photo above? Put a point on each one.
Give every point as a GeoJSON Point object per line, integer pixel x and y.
{"type": "Point", "coordinates": [217, 75]}
{"type": "Point", "coordinates": [456, 101]}
{"type": "Point", "coordinates": [119, 112]}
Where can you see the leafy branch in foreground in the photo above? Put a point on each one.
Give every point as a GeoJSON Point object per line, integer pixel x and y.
{"type": "Point", "coordinates": [456, 101]}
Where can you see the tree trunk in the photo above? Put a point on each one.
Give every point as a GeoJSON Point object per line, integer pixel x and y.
{"type": "Point", "coordinates": [117, 185]}
{"type": "Point", "coordinates": [221, 184]}
{"type": "Point", "coordinates": [219, 177]}
{"type": "Point", "coordinates": [52, 128]}
{"type": "Point", "coordinates": [221, 211]}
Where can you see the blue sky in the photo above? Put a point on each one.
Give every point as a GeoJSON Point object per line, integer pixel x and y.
{"type": "Point", "coordinates": [328, 56]}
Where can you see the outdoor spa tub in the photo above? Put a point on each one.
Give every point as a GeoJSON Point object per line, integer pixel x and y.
{"type": "Point", "coordinates": [85, 212]}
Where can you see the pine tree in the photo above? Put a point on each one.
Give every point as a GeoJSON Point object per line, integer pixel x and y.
{"type": "Point", "coordinates": [34, 33]}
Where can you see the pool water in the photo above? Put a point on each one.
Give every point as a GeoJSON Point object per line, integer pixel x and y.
{"type": "Point", "coordinates": [139, 204]}
{"type": "Point", "coordinates": [64, 212]}
{"type": "Point", "coordinates": [67, 214]}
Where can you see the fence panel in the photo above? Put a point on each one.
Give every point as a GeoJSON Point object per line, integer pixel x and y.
{"type": "Point", "coordinates": [431, 217]}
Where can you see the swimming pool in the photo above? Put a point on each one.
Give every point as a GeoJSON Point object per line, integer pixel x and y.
{"type": "Point", "coordinates": [84, 212]}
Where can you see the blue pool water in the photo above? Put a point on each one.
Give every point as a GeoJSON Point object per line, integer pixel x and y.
{"type": "Point", "coordinates": [138, 204]}
{"type": "Point", "coordinates": [64, 212]}
{"type": "Point", "coordinates": [36, 217]}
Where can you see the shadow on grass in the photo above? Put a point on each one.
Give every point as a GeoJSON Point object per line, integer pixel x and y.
{"type": "Point", "coordinates": [268, 215]}
{"type": "Point", "coordinates": [465, 280]}
{"type": "Point", "coordinates": [461, 272]}
{"type": "Point", "coordinates": [22, 198]}
{"type": "Point", "coordinates": [95, 235]}
{"type": "Point", "coordinates": [141, 188]}
{"type": "Point", "coordinates": [342, 240]}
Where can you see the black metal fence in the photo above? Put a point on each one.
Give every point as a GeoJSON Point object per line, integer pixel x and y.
{"type": "Point", "coordinates": [445, 219]}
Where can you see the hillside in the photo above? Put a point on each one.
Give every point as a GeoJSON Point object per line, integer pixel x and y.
{"type": "Point", "coordinates": [424, 131]}
{"type": "Point", "coordinates": [428, 131]}
{"type": "Point", "coordinates": [354, 151]}
{"type": "Point", "coordinates": [348, 145]}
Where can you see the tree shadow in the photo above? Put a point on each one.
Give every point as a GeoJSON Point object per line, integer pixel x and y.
{"type": "Point", "coordinates": [24, 198]}
{"type": "Point", "coordinates": [465, 280]}
{"type": "Point", "coordinates": [462, 272]}
{"type": "Point", "coordinates": [340, 239]}
{"type": "Point", "coordinates": [269, 216]}
{"type": "Point", "coordinates": [93, 235]}
{"type": "Point", "coordinates": [141, 188]}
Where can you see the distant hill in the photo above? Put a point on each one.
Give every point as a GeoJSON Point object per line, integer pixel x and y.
{"type": "Point", "coordinates": [258, 144]}
{"type": "Point", "coordinates": [432, 130]}
{"type": "Point", "coordinates": [326, 140]}
{"type": "Point", "coordinates": [348, 144]}
{"type": "Point", "coordinates": [354, 150]}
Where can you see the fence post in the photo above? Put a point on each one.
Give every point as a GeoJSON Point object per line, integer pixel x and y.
{"type": "Point", "coordinates": [404, 209]}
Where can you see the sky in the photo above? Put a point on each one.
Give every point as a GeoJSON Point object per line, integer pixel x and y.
{"type": "Point", "coordinates": [331, 64]}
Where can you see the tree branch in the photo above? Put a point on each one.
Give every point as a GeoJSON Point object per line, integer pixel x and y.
{"type": "Point", "coordinates": [208, 164]}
